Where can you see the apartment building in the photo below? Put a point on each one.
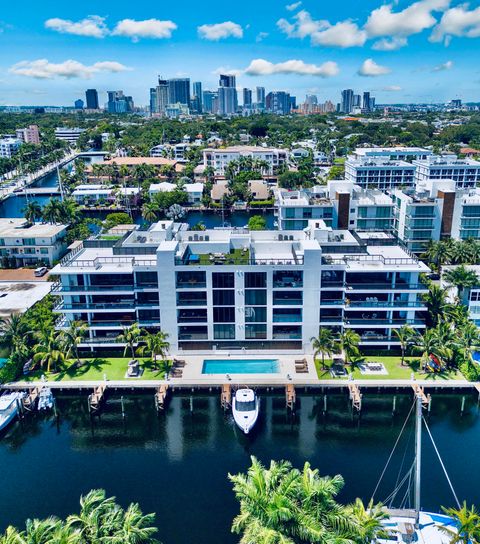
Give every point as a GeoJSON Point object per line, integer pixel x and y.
{"type": "Point", "coordinates": [219, 159]}
{"type": "Point", "coordinates": [393, 153]}
{"type": "Point", "coordinates": [9, 146]}
{"type": "Point", "coordinates": [379, 173]}
{"type": "Point", "coordinates": [29, 135]}
{"type": "Point", "coordinates": [70, 135]}
{"type": "Point", "coordinates": [464, 172]}
{"type": "Point", "coordinates": [26, 244]}
{"type": "Point", "coordinates": [234, 289]}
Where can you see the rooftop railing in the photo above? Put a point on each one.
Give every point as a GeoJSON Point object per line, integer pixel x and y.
{"type": "Point", "coordinates": [348, 259]}
{"type": "Point", "coordinates": [115, 261]}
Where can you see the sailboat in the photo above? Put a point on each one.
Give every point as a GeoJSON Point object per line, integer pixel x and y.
{"type": "Point", "coordinates": [409, 526]}
{"type": "Point", "coordinates": [245, 409]}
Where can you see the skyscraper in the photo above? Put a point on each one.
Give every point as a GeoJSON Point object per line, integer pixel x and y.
{"type": "Point", "coordinates": [357, 101]}
{"type": "Point", "coordinates": [278, 102]}
{"type": "Point", "coordinates": [179, 91]}
{"type": "Point", "coordinates": [247, 98]}
{"type": "Point", "coordinates": [119, 103]}
{"type": "Point", "coordinates": [210, 99]}
{"type": "Point", "coordinates": [197, 98]}
{"type": "Point", "coordinates": [92, 99]}
{"type": "Point", "coordinates": [261, 97]}
{"type": "Point", "coordinates": [159, 97]}
{"type": "Point", "coordinates": [346, 105]}
{"type": "Point", "coordinates": [227, 95]}
{"type": "Point", "coordinates": [79, 104]}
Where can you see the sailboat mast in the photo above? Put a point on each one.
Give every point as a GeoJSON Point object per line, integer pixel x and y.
{"type": "Point", "coordinates": [418, 458]}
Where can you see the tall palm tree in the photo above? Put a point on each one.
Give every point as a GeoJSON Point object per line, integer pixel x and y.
{"type": "Point", "coordinates": [436, 300]}
{"type": "Point", "coordinates": [49, 352]}
{"type": "Point", "coordinates": [150, 211]}
{"type": "Point", "coordinates": [426, 344]}
{"type": "Point", "coordinates": [439, 253]}
{"type": "Point", "coordinates": [32, 211]}
{"type": "Point", "coordinates": [130, 337]}
{"type": "Point", "coordinates": [73, 336]}
{"type": "Point", "coordinates": [13, 330]}
{"type": "Point", "coordinates": [462, 279]}
{"type": "Point", "coordinates": [154, 345]}
{"type": "Point", "coordinates": [324, 344]}
{"type": "Point", "coordinates": [283, 505]}
{"type": "Point", "coordinates": [462, 253]}
{"type": "Point", "coordinates": [52, 211]}
{"type": "Point", "coordinates": [404, 335]}
{"type": "Point", "coordinates": [467, 527]}
{"type": "Point", "coordinates": [349, 341]}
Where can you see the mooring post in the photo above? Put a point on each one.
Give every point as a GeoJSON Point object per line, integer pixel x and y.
{"type": "Point", "coordinates": [325, 404]}
{"type": "Point", "coordinates": [463, 405]}
{"type": "Point", "coordinates": [123, 407]}
{"type": "Point", "coordinates": [394, 406]}
{"type": "Point", "coordinates": [429, 407]}
{"type": "Point", "coordinates": [55, 413]}
{"type": "Point", "coordinates": [191, 403]}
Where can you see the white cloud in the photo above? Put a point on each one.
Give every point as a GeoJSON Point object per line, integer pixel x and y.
{"type": "Point", "coordinates": [293, 7]}
{"type": "Point", "coordinates": [43, 69]}
{"type": "Point", "coordinates": [457, 21]}
{"type": "Point", "coordinates": [383, 21]}
{"type": "Point", "coordinates": [149, 28]}
{"type": "Point", "coordinates": [392, 88]}
{"type": "Point", "coordinates": [228, 71]}
{"type": "Point", "coordinates": [442, 67]}
{"type": "Point", "coordinates": [219, 31]}
{"type": "Point", "coordinates": [321, 32]}
{"type": "Point", "coordinates": [390, 44]}
{"type": "Point", "coordinates": [261, 36]}
{"type": "Point", "coordinates": [371, 69]}
{"type": "Point", "coordinates": [262, 67]}
{"type": "Point", "coordinates": [92, 26]}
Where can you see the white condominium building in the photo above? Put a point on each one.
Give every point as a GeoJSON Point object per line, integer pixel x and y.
{"type": "Point", "coordinates": [219, 159]}
{"type": "Point", "coordinates": [25, 244]}
{"type": "Point", "coordinates": [234, 289]}
{"type": "Point", "coordinates": [393, 153]}
{"type": "Point", "coordinates": [464, 172]}
{"type": "Point", "coordinates": [8, 147]}
{"type": "Point", "coordinates": [70, 135]}
{"type": "Point", "coordinates": [379, 173]}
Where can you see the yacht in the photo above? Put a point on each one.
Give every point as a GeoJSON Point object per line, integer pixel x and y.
{"type": "Point", "coordinates": [245, 409]}
{"type": "Point", "coordinates": [9, 407]}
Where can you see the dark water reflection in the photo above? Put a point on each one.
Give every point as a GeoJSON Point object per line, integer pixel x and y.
{"type": "Point", "coordinates": [176, 464]}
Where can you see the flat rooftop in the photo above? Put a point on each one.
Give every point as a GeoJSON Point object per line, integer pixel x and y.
{"type": "Point", "coordinates": [16, 297]}
{"type": "Point", "coordinates": [15, 227]}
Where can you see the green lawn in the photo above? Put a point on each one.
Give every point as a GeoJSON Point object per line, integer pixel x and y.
{"type": "Point", "coordinates": [394, 368]}
{"type": "Point", "coordinates": [94, 369]}
{"type": "Point", "coordinates": [236, 256]}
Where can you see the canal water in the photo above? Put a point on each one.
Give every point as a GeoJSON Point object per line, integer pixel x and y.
{"type": "Point", "coordinates": [176, 463]}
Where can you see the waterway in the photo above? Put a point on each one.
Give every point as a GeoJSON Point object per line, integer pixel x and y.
{"type": "Point", "coordinates": [176, 463]}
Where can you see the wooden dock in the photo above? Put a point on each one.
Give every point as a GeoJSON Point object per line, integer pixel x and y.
{"type": "Point", "coordinates": [161, 397]}
{"type": "Point", "coordinates": [355, 396]}
{"type": "Point", "coordinates": [226, 396]}
{"type": "Point", "coordinates": [290, 396]}
{"type": "Point", "coordinates": [30, 400]}
{"type": "Point", "coordinates": [420, 392]}
{"type": "Point", "coordinates": [96, 398]}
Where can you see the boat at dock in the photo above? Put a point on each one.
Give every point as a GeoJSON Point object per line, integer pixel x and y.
{"type": "Point", "coordinates": [9, 407]}
{"type": "Point", "coordinates": [45, 399]}
{"type": "Point", "coordinates": [245, 409]}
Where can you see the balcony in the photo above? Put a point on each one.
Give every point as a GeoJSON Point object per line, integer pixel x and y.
{"type": "Point", "coordinates": [387, 286]}
{"type": "Point", "coordinates": [60, 288]}
{"type": "Point", "coordinates": [337, 302]}
{"type": "Point", "coordinates": [126, 305]}
{"type": "Point", "coordinates": [354, 304]}
{"type": "Point", "coordinates": [383, 322]}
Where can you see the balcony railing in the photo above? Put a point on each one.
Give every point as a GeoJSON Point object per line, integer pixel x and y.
{"type": "Point", "coordinates": [337, 302]}
{"type": "Point", "coordinates": [351, 259]}
{"type": "Point", "coordinates": [286, 336]}
{"type": "Point", "coordinates": [127, 305]}
{"type": "Point", "coordinates": [115, 261]}
{"type": "Point", "coordinates": [287, 318]}
{"type": "Point", "coordinates": [58, 287]}
{"type": "Point", "coordinates": [385, 304]}
{"type": "Point", "coordinates": [387, 286]}
{"type": "Point", "coordinates": [366, 322]}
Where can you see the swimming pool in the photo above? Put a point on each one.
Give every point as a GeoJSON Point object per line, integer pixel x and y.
{"type": "Point", "coordinates": [2, 361]}
{"type": "Point", "coordinates": [476, 356]}
{"type": "Point", "coordinates": [240, 366]}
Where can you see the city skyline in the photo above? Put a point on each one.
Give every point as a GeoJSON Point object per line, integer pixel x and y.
{"type": "Point", "coordinates": [401, 52]}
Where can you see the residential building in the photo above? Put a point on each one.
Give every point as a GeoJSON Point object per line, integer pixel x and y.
{"type": "Point", "coordinates": [278, 102]}
{"type": "Point", "coordinates": [379, 173]}
{"type": "Point", "coordinates": [398, 153]}
{"type": "Point", "coordinates": [90, 194]}
{"type": "Point", "coordinates": [346, 105]}
{"type": "Point", "coordinates": [174, 111]}
{"type": "Point", "coordinates": [259, 189]}
{"type": "Point", "coordinates": [9, 146]}
{"type": "Point", "coordinates": [119, 103]}
{"type": "Point", "coordinates": [366, 104]}
{"type": "Point", "coordinates": [157, 162]}
{"type": "Point", "coordinates": [219, 191]}
{"type": "Point", "coordinates": [210, 101]}
{"type": "Point", "coordinates": [234, 289]}
{"type": "Point", "coordinates": [70, 135]}
{"type": "Point", "coordinates": [24, 244]}
{"type": "Point", "coordinates": [29, 135]}
{"type": "Point", "coordinates": [163, 187]}
{"type": "Point", "coordinates": [260, 97]}
{"type": "Point", "coordinates": [194, 192]}
{"type": "Point", "coordinates": [464, 172]}
{"type": "Point", "coordinates": [219, 158]}
{"type": "Point", "coordinates": [227, 95]}
{"type": "Point", "coordinates": [197, 90]}
{"type": "Point", "coordinates": [159, 98]}
{"type": "Point", "coordinates": [179, 91]}
{"type": "Point", "coordinates": [91, 96]}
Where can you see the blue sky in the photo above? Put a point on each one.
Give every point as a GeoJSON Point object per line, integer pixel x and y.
{"type": "Point", "coordinates": [402, 51]}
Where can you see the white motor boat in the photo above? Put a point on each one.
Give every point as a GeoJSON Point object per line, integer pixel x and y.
{"type": "Point", "coordinates": [245, 408]}
{"type": "Point", "coordinates": [9, 407]}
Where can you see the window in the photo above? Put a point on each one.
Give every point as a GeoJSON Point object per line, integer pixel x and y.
{"type": "Point", "coordinates": [223, 280]}
{"type": "Point", "coordinates": [224, 332]}
{"type": "Point", "coordinates": [287, 278]}
{"type": "Point", "coordinates": [146, 278]}
{"type": "Point", "coordinates": [255, 279]}
{"type": "Point", "coordinates": [44, 251]}
{"type": "Point", "coordinates": [287, 332]}
{"type": "Point", "coordinates": [192, 298]}
{"type": "Point", "coordinates": [28, 241]}
{"type": "Point", "coordinates": [255, 314]}
{"type": "Point", "coordinates": [193, 333]}
{"type": "Point", "coordinates": [192, 316]}
{"type": "Point", "coordinates": [110, 280]}
{"type": "Point", "coordinates": [287, 315]}
{"type": "Point", "coordinates": [191, 279]}
{"type": "Point", "coordinates": [223, 314]}
{"type": "Point", "coordinates": [255, 332]}
{"type": "Point", "coordinates": [287, 298]}
{"type": "Point", "coordinates": [224, 298]}
{"type": "Point", "coordinates": [256, 298]}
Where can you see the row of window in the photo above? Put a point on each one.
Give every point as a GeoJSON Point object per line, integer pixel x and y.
{"type": "Point", "coordinates": [252, 332]}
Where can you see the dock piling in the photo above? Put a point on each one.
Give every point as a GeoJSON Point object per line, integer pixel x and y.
{"type": "Point", "coordinates": [290, 396]}
{"type": "Point", "coordinates": [355, 396]}
{"type": "Point", "coordinates": [160, 397]}
{"type": "Point", "coordinates": [226, 396]}
{"type": "Point", "coordinates": [394, 405]}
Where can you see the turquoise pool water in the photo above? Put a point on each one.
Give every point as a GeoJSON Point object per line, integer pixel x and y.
{"type": "Point", "coordinates": [2, 361]}
{"type": "Point", "coordinates": [240, 366]}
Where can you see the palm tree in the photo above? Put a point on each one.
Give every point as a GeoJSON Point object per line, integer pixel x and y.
{"type": "Point", "coordinates": [466, 530]}
{"type": "Point", "coordinates": [49, 351]}
{"type": "Point", "coordinates": [462, 253]}
{"type": "Point", "coordinates": [370, 520]}
{"type": "Point", "coordinates": [154, 344]}
{"type": "Point", "coordinates": [462, 279]}
{"type": "Point", "coordinates": [130, 336]}
{"type": "Point", "coordinates": [283, 505]}
{"type": "Point", "coordinates": [439, 253]}
{"type": "Point", "coordinates": [426, 344]}
{"type": "Point", "coordinates": [32, 211]}
{"type": "Point", "coordinates": [349, 341]}
{"type": "Point", "coordinates": [52, 211]}
{"type": "Point", "coordinates": [404, 335]}
{"type": "Point", "coordinates": [73, 336]}
{"type": "Point", "coordinates": [150, 211]}
{"type": "Point", "coordinates": [324, 344]}
{"type": "Point", "coordinates": [13, 330]}
{"type": "Point", "coordinates": [436, 300]}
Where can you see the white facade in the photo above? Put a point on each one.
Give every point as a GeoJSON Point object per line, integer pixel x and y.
{"type": "Point", "coordinates": [235, 289]}
{"type": "Point", "coordinates": [70, 135]}
{"type": "Point", "coordinates": [194, 192]}
{"type": "Point", "coordinates": [219, 159]}
{"type": "Point", "coordinates": [26, 244]}
{"type": "Point", "coordinates": [393, 153]}
{"type": "Point", "coordinates": [464, 172]}
{"type": "Point", "coordinates": [379, 173]}
{"type": "Point", "coordinates": [9, 146]}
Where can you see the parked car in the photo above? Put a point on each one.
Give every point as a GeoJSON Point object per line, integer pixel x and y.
{"type": "Point", "coordinates": [40, 271]}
